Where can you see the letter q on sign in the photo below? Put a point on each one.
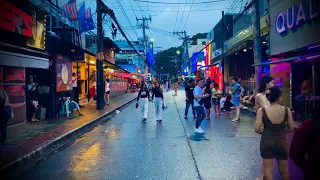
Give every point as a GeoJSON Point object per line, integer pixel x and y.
{"type": "Point", "coordinates": [280, 23]}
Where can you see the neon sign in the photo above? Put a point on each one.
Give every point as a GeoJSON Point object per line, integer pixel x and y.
{"type": "Point", "coordinates": [296, 15]}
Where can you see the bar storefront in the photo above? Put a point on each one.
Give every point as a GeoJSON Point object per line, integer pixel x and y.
{"type": "Point", "coordinates": [21, 52]}
{"type": "Point", "coordinates": [295, 57]}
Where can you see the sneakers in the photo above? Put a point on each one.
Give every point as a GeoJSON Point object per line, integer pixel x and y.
{"type": "Point", "coordinates": [35, 120]}
{"type": "Point", "coordinates": [185, 117]}
{"type": "Point", "coordinates": [159, 120]}
{"type": "Point", "coordinates": [235, 120]}
{"type": "Point", "coordinates": [144, 119]}
{"type": "Point", "coordinates": [199, 130]}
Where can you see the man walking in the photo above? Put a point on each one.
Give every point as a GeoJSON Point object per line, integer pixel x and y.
{"type": "Point", "coordinates": [189, 98]}
{"type": "Point", "coordinates": [198, 104]}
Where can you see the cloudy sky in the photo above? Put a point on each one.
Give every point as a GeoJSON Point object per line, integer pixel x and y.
{"type": "Point", "coordinates": [193, 16]}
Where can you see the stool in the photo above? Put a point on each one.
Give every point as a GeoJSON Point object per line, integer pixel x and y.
{"type": "Point", "coordinates": [65, 108]}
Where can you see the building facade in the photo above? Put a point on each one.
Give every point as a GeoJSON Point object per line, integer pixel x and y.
{"type": "Point", "coordinates": [128, 56]}
{"type": "Point", "coordinates": [294, 49]}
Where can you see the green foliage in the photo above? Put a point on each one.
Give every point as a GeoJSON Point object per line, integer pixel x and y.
{"type": "Point", "coordinates": [198, 36]}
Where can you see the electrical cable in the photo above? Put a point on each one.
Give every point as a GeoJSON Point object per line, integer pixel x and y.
{"type": "Point", "coordinates": [163, 11]}
{"type": "Point", "coordinates": [125, 14]}
{"type": "Point", "coordinates": [184, 10]}
{"type": "Point", "coordinates": [246, 8]}
{"type": "Point", "coordinates": [158, 2]}
{"type": "Point", "coordinates": [188, 14]}
{"type": "Point", "coordinates": [133, 9]}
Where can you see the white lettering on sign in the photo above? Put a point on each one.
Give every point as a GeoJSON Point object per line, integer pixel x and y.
{"type": "Point", "coordinates": [296, 15]}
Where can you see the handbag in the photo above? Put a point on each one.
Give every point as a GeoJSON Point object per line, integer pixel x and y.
{"type": "Point", "coordinates": [137, 104]}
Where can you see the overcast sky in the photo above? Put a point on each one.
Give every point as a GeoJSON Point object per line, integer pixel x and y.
{"type": "Point", "coordinates": [167, 17]}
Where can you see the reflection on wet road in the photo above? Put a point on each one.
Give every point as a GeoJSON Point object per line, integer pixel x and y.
{"type": "Point", "coordinates": [126, 148]}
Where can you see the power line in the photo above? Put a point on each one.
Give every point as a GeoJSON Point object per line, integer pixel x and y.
{"type": "Point", "coordinates": [163, 11]}
{"type": "Point", "coordinates": [182, 15]}
{"type": "Point", "coordinates": [188, 14]}
{"type": "Point", "coordinates": [126, 16]}
{"type": "Point", "coordinates": [132, 9]}
{"type": "Point", "coordinates": [174, 29]}
{"type": "Point", "coordinates": [157, 2]}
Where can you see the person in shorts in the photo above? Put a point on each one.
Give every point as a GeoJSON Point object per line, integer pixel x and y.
{"type": "Point", "coordinates": [236, 91]}
{"type": "Point", "coordinates": [216, 99]}
{"type": "Point", "coordinates": [107, 92]}
{"type": "Point", "coordinates": [32, 97]}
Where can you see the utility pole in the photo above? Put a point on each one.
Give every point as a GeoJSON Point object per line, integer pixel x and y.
{"type": "Point", "coordinates": [145, 26]}
{"type": "Point", "coordinates": [186, 51]}
{"type": "Point", "coordinates": [99, 64]}
{"type": "Point", "coordinates": [257, 43]}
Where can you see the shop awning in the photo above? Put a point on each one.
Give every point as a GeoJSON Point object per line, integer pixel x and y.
{"type": "Point", "coordinates": [21, 60]}
{"type": "Point", "coordinates": [300, 58]}
{"type": "Point", "coordinates": [56, 45]}
{"type": "Point", "coordinates": [276, 62]}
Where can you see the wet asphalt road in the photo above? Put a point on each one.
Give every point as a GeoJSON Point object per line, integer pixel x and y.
{"type": "Point", "coordinates": [125, 148]}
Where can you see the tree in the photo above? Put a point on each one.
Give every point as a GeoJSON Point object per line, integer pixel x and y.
{"type": "Point", "coordinates": [169, 60]}
{"type": "Point", "coordinates": [198, 36]}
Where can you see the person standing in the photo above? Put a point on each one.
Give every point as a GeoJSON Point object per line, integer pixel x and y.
{"type": "Point", "coordinates": [236, 91]}
{"type": "Point", "coordinates": [261, 100]}
{"type": "Point", "coordinates": [189, 98]}
{"type": "Point", "coordinates": [175, 87]}
{"type": "Point", "coordinates": [32, 97]}
{"type": "Point", "coordinates": [266, 82]}
{"type": "Point", "coordinates": [157, 92]}
{"type": "Point", "coordinates": [143, 100]}
{"type": "Point", "coordinates": [216, 98]}
{"type": "Point", "coordinates": [208, 81]}
{"type": "Point", "coordinates": [75, 87]}
{"type": "Point", "coordinates": [277, 121]}
{"type": "Point", "coordinates": [207, 101]}
{"type": "Point", "coordinates": [107, 89]}
{"type": "Point", "coordinates": [198, 104]}
{"type": "Point", "coordinates": [5, 115]}
{"type": "Point", "coordinates": [305, 146]}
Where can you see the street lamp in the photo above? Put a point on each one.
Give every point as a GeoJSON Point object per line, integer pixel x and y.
{"type": "Point", "coordinates": [178, 52]}
{"type": "Point", "coordinates": [151, 39]}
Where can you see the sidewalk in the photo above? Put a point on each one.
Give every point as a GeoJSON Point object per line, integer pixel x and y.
{"type": "Point", "coordinates": [28, 142]}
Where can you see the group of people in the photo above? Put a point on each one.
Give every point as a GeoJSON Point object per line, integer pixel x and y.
{"type": "Point", "coordinates": [156, 96]}
{"type": "Point", "coordinates": [273, 122]}
{"type": "Point", "coordinates": [209, 95]}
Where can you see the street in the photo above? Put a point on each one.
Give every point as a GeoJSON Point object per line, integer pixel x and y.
{"type": "Point", "coordinates": [126, 148]}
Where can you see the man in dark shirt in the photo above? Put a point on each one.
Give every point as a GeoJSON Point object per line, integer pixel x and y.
{"type": "Point", "coordinates": [189, 98]}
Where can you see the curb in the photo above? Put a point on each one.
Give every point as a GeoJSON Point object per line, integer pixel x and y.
{"type": "Point", "coordinates": [11, 170]}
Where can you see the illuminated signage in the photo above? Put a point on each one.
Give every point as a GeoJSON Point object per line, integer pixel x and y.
{"type": "Point", "coordinates": [296, 15]}
{"type": "Point", "coordinates": [21, 24]}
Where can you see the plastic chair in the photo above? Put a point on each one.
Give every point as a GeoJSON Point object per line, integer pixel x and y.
{"type": "Point", "coordinates": [65, 108]}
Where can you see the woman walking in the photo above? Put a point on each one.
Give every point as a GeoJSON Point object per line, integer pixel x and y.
{"type": "Point", "coordinates": [277, 121]}
{"type": "Point", "coordinates": [143, 100]}
{"type": "Point", "coordinates": [157, 92]}
{"type": "Point", "coordinates": [266, 83]}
